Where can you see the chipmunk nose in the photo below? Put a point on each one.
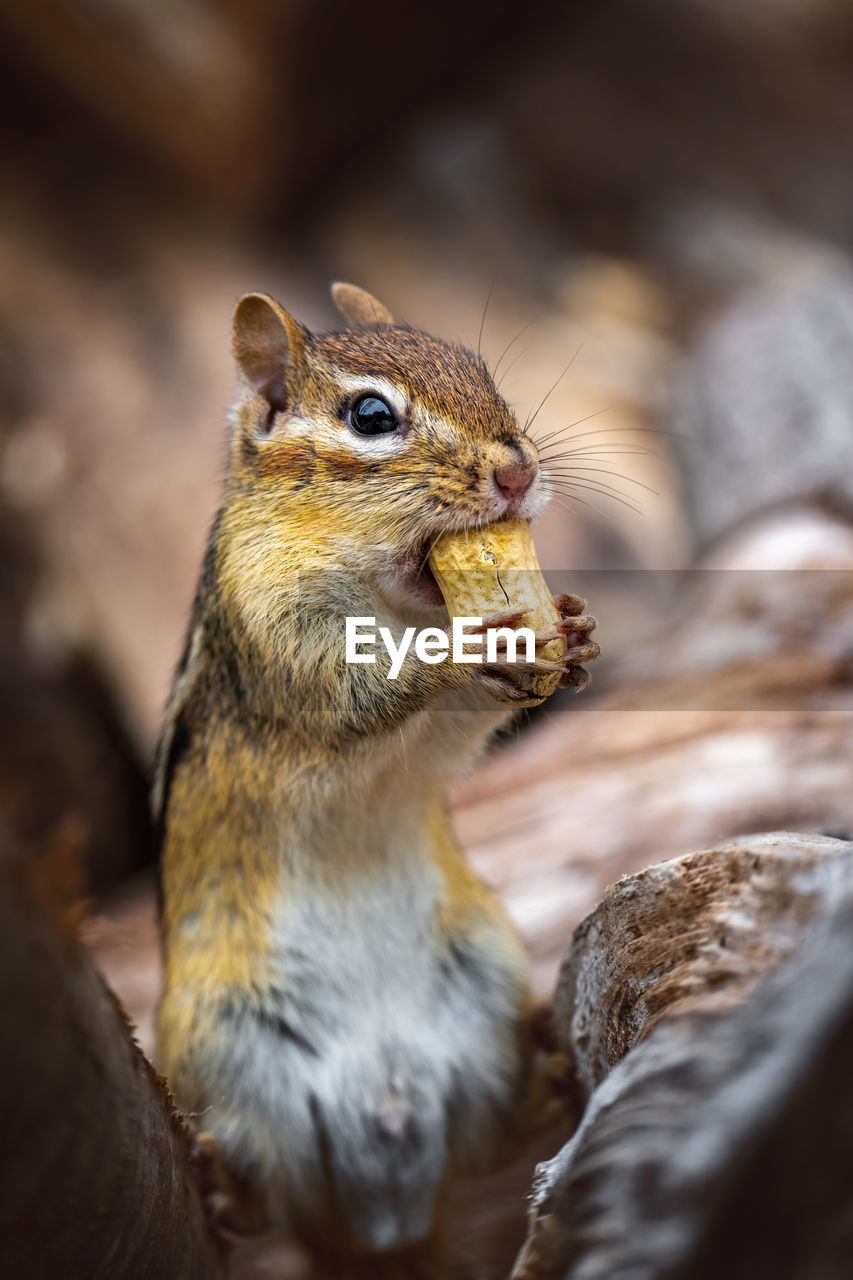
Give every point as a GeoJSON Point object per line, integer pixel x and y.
{"type": "Point", "coordinates": [515, 478]}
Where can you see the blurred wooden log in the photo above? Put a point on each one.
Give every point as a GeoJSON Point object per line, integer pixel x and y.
{"type": "Point", "coordinates": [96, 1178]}
{"type": "Point", "coordinates": [192, 85]}
{"type": "Point", "coordinates": [717, 1134]}
{"type": "Point", "coordinates": [66, 759]}
{"type": "Point", "coordinates": [761, 407]}
{"type": "Point", "coordinates": [556, 818]}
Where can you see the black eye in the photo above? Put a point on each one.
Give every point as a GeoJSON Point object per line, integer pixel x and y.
{"type": "Point", "coordinates": [371, 416]}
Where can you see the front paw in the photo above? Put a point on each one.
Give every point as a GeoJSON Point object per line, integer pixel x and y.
{"type": "Point", "coordinates": [519, 683]}
{"type": "Point", "coordinates": [576, 626]}
{"type": "Point", "coordinates": [512, 683]}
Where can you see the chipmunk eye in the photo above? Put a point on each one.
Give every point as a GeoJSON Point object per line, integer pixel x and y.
{"type": "Point", "coordinates": [371, 416]}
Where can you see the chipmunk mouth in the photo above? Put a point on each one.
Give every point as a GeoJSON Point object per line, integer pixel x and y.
{"type": "Point", "coordinates": [415, 577]}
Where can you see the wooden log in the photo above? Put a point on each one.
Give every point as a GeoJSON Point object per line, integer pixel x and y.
{"type": "Point", "coordinates": [96, 1178]}
{"type": "Point", "coordinates": [67, 763]}
{"type": "Point", "coordinates": [707, 1007]}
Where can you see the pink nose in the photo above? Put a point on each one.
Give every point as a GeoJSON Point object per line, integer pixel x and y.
{"type": "Point", "coordinates": [515, 478]}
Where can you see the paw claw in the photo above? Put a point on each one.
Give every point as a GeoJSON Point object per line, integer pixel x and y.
{"type": "Point", "coordinates": [571, 658]}
{"type": "Point", "coordinates": [569, 606]}
{"type": "Point", "coordinates": [511, 618]}
{"type": "Point", "coordinates": [570, 626]}
{"type": "Point", "coordinates": [575, 679]}
{"type": "Point", "coordinates": [580, 653]}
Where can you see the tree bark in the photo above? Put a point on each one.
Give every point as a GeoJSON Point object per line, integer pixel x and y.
{"type": "Point", "coordinates": [96, 1179]}
{"type": "Point", "coordinates": [707, 1008]}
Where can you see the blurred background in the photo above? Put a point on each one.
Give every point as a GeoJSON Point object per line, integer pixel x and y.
{"type": "Point", "coordinates": [657, 191]}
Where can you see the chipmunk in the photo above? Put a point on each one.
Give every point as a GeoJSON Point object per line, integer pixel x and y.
{"type": "Point", "coordinates": [345, 1003]}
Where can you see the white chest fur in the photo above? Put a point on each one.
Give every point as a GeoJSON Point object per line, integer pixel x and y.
{"type": "Point", "coordinates": [386, 1052]}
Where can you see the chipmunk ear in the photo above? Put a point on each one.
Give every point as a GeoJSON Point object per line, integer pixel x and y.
{"type": "Point", "coordinates": [268, 344]}
{"type": "Point", "coordinates": [360, 307]}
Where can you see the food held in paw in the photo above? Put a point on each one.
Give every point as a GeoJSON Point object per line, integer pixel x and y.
{"type": "Point", "coordinates": [495, 570]}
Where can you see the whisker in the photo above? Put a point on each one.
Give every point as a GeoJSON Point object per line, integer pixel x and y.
{"type": "Point", "coordinates": [605, 472]}
{"type": "Point", "coordinates": [623, 502]}
{"type": "Point", "coordinates": [618, 446]}
{"type": "Point", "coordinates": [564, 500]}
{"type": "Point", "coordinates": [530, 420]}
{"type": "Point", "coordinates": [483, 317]}
{"type": "Point", "coordinates": [511, 344]}
{"type": "Point", "coordinates": [615, 444]}
{"type": "Point", "coordinates": [540, 440]}
{"type": "Point", "coordinates": [574, 498]}
{"type": "Point", "coordinates": [572, 475]}
{"type": "Point", "coordinates": [560, 485]}
{"type": "Point", "coordinates": [595, 453]}
{"type": "Point", "coordinates": [658, 431]}
{"type": "Point", "coordinates": [513, 362]}
{"type": "Point", "coordinates": [422, 565]}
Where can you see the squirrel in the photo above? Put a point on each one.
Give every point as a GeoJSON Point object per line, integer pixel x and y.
{"type": "Point", "coordinates": [346, 1007]}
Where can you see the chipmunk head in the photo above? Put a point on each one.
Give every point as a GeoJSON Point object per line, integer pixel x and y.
{"type": "Point", "coordinates": [362, 446]}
